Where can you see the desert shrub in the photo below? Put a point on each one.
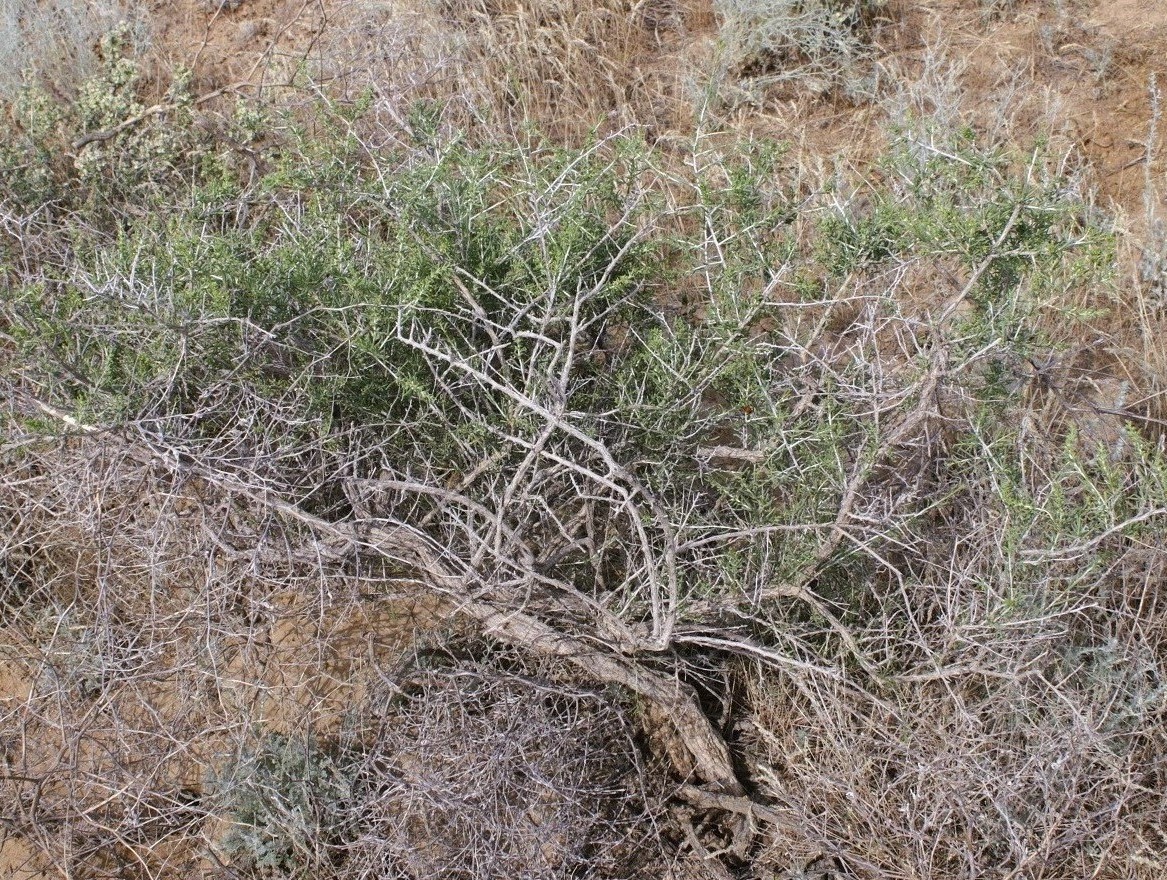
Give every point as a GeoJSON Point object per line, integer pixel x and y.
{"type": "Point", "coordinates": [464, 769]}
{"type": "Point", "coordinates": [284, 800]}
{"type": "Point", "coordinates": [990, 606]}
{"type": "Point", "coordinates": [656, 419]}
{"type": "Point", "coordinates": [104, 152]}
{"type": "Point", "coordinates": [821, 44]}
{"type": "Point", "coordinates": [1018, 696]}
{"type": "Point", "coordinates": [303, 311]}
{"type": "Point", "coordinates": [53, 44]}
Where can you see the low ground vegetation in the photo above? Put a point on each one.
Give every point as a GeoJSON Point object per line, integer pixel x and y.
{"type": "Point", "coordinates": [396, 488]}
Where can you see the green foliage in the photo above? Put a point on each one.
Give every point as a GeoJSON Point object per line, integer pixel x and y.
{"type": "Point", "coordinates": [302, 304]}
{"type": "Point", "coordinates": [1023, 237]}
{"type": "Point", "coordinates": [969, 205]}
{"type": "Point", "coordinates": [104, 152]}
{"type": "Point", "coordinates": [285, 802]}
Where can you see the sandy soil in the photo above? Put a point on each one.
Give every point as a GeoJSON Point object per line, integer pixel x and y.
{"type": "Point", "coordinates": [1082, 69]}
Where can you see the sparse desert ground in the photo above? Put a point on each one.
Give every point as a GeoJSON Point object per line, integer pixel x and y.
{"type": "Point", "coordinates": [583, 438]}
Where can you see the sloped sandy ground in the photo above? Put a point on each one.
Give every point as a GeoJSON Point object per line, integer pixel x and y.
{"type": "Point", "coordinates": [1087, 74]}
{"type": "Point", "coordinates": [1080, 70]}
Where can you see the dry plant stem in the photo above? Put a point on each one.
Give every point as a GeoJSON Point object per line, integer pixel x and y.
{"type": "Point", "coordinates": [731, 803]}
{"type": "Point", "coordinates": [663, 606]}
{"type": "Point", "coordinates": [678, 701]}
{"type": "Point", "coordinates": [403, 545]}
{"type": "Point", "coordinates": [709, 860]}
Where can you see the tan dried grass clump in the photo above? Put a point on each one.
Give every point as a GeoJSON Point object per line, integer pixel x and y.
{"type": "Point", "coordinates": [566, 68]}
{"type": "Point", "coordinates": [475, 770]}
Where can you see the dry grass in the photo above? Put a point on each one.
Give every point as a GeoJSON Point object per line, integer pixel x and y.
{"type": "Point", "coordinates": [567, 69]}
{"type": "Point", "coordinates": [525, 776]}
{"type": "Point", "coordinates": [848, 565]}
{"type": "Point", "coordinates": [145, 636]}
{"type": "Point", "coordinates": [54, 42]}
